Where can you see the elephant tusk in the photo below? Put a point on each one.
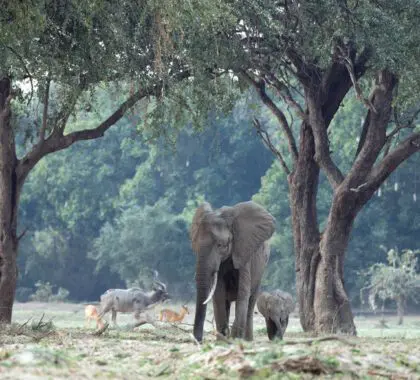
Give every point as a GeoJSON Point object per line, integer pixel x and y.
{"type": "Point", "coordinates": [213, 288]}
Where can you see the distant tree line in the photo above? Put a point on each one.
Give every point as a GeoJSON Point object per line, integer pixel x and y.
{"type": "Point", "coordinates": [105, 214]}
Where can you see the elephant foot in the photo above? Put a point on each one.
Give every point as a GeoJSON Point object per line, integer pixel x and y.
{"type": "Point", "coordinates": [271, 329]}
{"type": "Point", "coordinates": [234, 332]}
{"type": "Point", "coordinates": [237, 332]}
{"type": "Point", "coordinates": [222, 334]}
{"type": "Point", "coordinates": [249, 336]}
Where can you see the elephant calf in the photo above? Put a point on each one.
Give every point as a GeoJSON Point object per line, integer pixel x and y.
{"type": "Point", "coordinates": [275, 308]}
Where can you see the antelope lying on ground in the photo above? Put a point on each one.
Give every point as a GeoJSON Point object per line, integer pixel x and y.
{"type": "Point", "coordinates": [172, 316]}
{"type": "Point", "coordinates": [92, 313]}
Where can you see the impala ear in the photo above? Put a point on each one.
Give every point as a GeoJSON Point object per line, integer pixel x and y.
{"type": "Point", "coordinates": [252, 225]}
{"type": "Point", "coordinates": [198, 233]}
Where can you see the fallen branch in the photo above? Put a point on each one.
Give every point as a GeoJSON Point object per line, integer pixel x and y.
{"type": "Point", "coordinates": [19, 331]}
{"type": "Point", "coordinates": [383, 374]}
{"type": "Point", "coordinates": [179, 328]}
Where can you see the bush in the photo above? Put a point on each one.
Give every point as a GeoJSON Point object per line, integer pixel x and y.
{"type": "Point", "coordinates": [23, 294]}
{"type": "Point", "coordinates": [61, 295]}
{"type": "Point", "coordinates": [44, 293]}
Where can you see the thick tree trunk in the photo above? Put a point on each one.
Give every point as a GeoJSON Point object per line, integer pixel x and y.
{"type": "Point", "coordinates": [323, 303]}
{"type": "Point", "coordinates": [324, 306]}
{"type": "Point", "coordinates": [333, 312]}
{"type": "Point", "coordinates": [303, 186]}
{"type": "Point", "coordinates": [9, 197]}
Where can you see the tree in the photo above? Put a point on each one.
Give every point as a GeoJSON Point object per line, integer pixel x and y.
{"type": "Point", "coordinates": [55, 54]}
{"type": "Point", "coordinates": [398, 281]}
{"type": "Point", "coordinates": [309, 55]}
{"type": "Point", "coordinates": [391, 218]}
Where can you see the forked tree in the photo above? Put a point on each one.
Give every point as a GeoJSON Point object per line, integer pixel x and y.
{"type": "Point", "coordinates": [305, 57]}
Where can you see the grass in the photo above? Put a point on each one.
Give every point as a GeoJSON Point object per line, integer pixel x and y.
{"type": "Point", "coordinates": [65, 347]}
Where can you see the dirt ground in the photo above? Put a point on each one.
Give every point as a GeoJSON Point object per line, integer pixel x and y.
{"type": "Point", "coordinates": [60, 345]}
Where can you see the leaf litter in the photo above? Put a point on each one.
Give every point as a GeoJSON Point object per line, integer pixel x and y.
{"type": "Point", "coordinates": [165, 352]}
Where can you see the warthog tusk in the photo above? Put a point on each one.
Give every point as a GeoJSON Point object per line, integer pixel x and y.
{"type": "Point", "coordinates": [213, 288]}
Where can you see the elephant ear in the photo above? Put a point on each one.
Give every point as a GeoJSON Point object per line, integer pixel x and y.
{"type": "Point", "coordinates": [197, 233]}
{"type": "Point", "coordinates": [251, 227]}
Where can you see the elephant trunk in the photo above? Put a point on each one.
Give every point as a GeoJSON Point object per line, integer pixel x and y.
{"type": "Point", "coordinates": [206, 286]}
{"type": "Point", "coordinates": [200, 310]}
{"type": "Point", "coordinates": [200, 316]}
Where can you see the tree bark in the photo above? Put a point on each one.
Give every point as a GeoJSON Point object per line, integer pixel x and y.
{"type": "Point", "coordinates": [9, 197]}
{"type": "Point", "coordinates": [303, 187]}
{"type": "Point", "coordinates": [332, 306]}
{"type": "Point", "coordinates": [324, 306]}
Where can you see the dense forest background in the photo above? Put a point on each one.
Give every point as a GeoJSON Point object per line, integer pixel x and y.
{"type": "Point", "coordinates": [106, 213]}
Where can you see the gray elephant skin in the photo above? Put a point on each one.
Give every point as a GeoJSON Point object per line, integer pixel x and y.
{"type": "Point", "coordinates": [275, 308]}
{"type": "Point", "coordinates": [232, 250]}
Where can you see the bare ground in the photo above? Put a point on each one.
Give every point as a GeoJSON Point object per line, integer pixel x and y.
{"type": "Point", "coordinates": [67, 348]}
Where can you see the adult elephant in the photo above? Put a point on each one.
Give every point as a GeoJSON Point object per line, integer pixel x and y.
{"type": "Point", "coordinates": [232, 252]}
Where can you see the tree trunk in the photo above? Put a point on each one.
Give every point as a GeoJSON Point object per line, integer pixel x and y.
{"type": "Point", "coordinates": [303, 186]}
{"type": "Point", "coordinates": [323, 302]}
{"type": "Point", "coordinates": [333, 312]}
{"type": "Point", "coordinates": [9, 197]}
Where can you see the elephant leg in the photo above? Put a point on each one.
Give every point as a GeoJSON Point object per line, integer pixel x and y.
{"type": "Point", "coordinates": [241, 306]}
{"type": "Point", "coordinates": [220, 310]}
{"type": "Point", "coordinates": [279, 328]}
{"type": "Point", "coordinates": [114, 317]}
{"type": "Point", "coordinates": [227, 304]}
{"type": "Point", "coordinates": [249, 332]}
{"type": "Point", "coordinates": [271, 328]}
{"type": "Point", "coordinates": [283, 325]}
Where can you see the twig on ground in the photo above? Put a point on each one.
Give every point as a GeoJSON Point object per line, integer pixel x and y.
{"type": "Point", "coordinates": [321, 339]}
{"type": "Point", "coordinates": [22, 326]}
{"type": "Point", "coordinates": [40, 324]}
{"type": "Point", "coordinates": [382, 374]}
{"type": "Point", "coordinates": [179, 328]}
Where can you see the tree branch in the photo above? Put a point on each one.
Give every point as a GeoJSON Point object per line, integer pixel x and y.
{"type": "Point", "coordinates": [260, 87]}
{"type": "Point", "coordinates": [348, 63]}
{"type": "Point", "coordinates": [392, 160]}
{"type": "Point", "coordinates": [285, 94]}
{"type": "Point", "coordinates": [336, 83]}
{"type": "Point", "coordinates": [57, 141]}
{"type": "Point", "coordinates": [23, 233]}
{"type": "Point", "coordinates": [304, 71]}
{"type": "Point", "coordinates": [266, 139]}
{"type": "Point", "coordinates": [322, 145]}
{"type": "Point", "coordinates": [22, 61]}
{"type": "Point", "coordinates": [373, 136]}
{"type": "Point", "coordinates": [45, 111]}
{"type": "Point", "coordinates": [399, 126]}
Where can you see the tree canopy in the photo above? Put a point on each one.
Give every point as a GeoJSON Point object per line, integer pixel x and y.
{"type": "Point", "coordinates": [172, 66]}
